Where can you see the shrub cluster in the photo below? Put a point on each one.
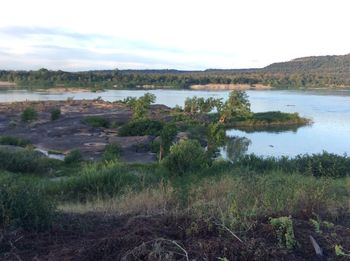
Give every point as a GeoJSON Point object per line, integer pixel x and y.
{"type": "Point", "coordinates": [112, 152]}
{"type": "Point", "coordinates": [97, 122]}
{"type": "Point", "coordinates": [29, 114]}
{"type": "Point", "coordinates": [73, 156]}
{"type": "Point", "coordinates": [55, 114]}
{"type": "Point", "coordinates": [24, 205]}
{"type": "Point", "coordinates": [14, 141]}
{"type": "Point", "coordinates": [186, 156]}
{"type": "Point", "coordinates": [324, 164]}
{"type": "Point", "coordinates": [27, 161]}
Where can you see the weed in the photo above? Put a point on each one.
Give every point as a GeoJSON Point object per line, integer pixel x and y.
{"type": "Point", "coordinates": [284, 230]}
{"type": "Point", "coordinates": [29, 114]}
{"type": "Point", "coordinates": [97, 122]}
{"type": "Point", "coordinates": [55, 114]}
{"type": "Point", "coordinates": [73, 156]}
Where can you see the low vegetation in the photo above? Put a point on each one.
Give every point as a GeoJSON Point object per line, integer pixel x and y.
{"type": "Point", "coordinates": [141, 127]}
{"type": "Point", "coordinates": [14, 141]}
{"type": "Point", "coordinates": [249, 208]}
{"type": "Point", "coordinates": [29, 114]}
{"type": "Point", "coordinates": [97, 122]}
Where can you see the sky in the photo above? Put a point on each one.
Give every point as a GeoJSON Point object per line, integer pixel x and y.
{"type": "Point", "coordinates": [76, 35]}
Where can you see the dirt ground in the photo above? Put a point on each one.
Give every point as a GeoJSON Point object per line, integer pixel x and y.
{"type": "Point", "coordinates": [98, 237]}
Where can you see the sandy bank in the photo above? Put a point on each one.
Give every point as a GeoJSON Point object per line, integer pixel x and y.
{"type": "Point", "coordinates": [7, 84]}
{"type": "Point", "coordinates": [214, 86]}
{"type": "Point", "coordinates": [65, 89]}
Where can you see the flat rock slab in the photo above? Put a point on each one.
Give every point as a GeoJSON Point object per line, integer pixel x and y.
{"type": "Point", "coordinates": [71, 132]}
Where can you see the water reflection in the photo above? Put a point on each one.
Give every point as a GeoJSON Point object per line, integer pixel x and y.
{"type": "Point", "coordinates": [235, 148]}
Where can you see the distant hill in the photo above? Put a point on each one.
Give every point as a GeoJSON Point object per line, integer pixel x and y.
{"type": "Point", "coordinates": [315, 72]}
{"type": "Point", "coordinates": [311, 64]}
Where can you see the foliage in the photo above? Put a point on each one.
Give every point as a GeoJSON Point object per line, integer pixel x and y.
{"type": "Point", "coordinates": [25, 205]}
{"type": "Point", "coordinates": [74, 156]}
{"type": "Point", "coordinates": [26, 161]}
{"type": "Point", "coordinates": [318, 165]}
{"type": "Point", "coordinates": [236, 107]}
{"type": "Point", "coordinates": [29, 114]}
{"type": "Point", "coordinates": [141, 105]}
{"type": "Point", "coordinates": [201, 105]}
{"type": "Point", "coordinates": [339, 251]}
{"type": "Point", "coordinates": [112, 152]}
{"type": "Point", "coordinates": [186, 156]}
{"type": "Point", "coordinates": [167, 136]}
{"type": "Point", "coordinates": [216, 137]}
{"type": "Point", "coordinates": [323, 71]}
{"type": "Point", "coordinates": [55, 114]}
{"type": "Point", "coordinates": [97, 121]}
{"type": "Point", "coordinates": [14, 141]}
{"type": "Point", "coordinates": [284, 230]}
{"type": "Point", "coordinates": [103, 180]}
{"type": "Point", "coordinates": [141, 127]}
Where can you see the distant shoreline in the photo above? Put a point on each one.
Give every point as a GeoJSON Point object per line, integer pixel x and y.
{"type": "Point", "coordinates": [231, 86]}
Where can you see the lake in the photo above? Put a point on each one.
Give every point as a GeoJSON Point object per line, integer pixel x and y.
{"type": "Point", "coordinates": [329, 110]}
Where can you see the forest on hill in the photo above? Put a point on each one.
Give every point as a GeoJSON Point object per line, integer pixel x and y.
{"type": "Point", "coordinates": [307, 72]}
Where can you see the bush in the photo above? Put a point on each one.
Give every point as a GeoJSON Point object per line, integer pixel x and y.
{"type": "Point", "coordinates": [99, 180]}
{"type": "Point", "coordinates": [186, 156]}
{"type": "Point", "coordinates": [14, 141]}
{"type": "Point", "coordinates": [27, 161]}
{"type": "Point", "coordinates": [24, 205]}
{"type": "Point", "coordinates": [29, 114]}
{"type": "Point", "coordinates": [97, 121]}
{"type": "Point", "coordinates": [318, 165]}
{"type": "Point", "coordinates": [141, 128]}
{"type": "Point", "coordinates": [55, 114]}
{"type": "Point", "coordinates": [112, 152]}
{"type": "Point", "coordinates": [73, 156]}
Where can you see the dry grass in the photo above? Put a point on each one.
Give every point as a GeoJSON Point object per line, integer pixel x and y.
{"type": "Point", "coordinates": [149, 201]}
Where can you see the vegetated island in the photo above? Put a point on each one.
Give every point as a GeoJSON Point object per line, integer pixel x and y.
{"type": "Point", "coordinates": [307, 72]}
{"type": "Point", "coordinates": [186, 205]}
{"type": "Point", "coordinates": [133, 124]}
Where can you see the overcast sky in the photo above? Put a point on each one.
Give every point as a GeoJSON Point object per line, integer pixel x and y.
{"type": "Point", "coordinates": [183, 34]}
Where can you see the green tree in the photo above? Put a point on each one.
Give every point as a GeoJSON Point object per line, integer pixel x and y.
{"type": "Point", "coordinates": [140, 106]}
{"type": "Point", "coordinates": [236, 107]}
{"type": "Point", "coordinates": [167, 136]}
{"type": "Point", "coordinates": [216, 137]}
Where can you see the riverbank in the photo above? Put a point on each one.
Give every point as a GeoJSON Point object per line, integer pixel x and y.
{"type": "Point", "coordinates": [242, 87]}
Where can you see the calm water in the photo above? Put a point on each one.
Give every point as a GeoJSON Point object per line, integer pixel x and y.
{"type": "Point", "coordinates": [330, 112]}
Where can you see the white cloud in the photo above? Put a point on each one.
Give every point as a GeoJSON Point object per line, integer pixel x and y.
{"type": "Point", "coordinates": [171, 34]}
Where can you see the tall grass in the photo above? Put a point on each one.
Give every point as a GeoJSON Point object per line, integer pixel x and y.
{"type": "Point", "coordinates": [24, 204]}
{"type": "Point", "coordinates": [103, 180]}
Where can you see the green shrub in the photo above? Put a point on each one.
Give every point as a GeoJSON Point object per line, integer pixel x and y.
{"type": "Point", "coordinates": [97, 122]}
{"type": "Point", "coordinates": [29, 114]}
{"type": "Point", "coordinates": [25, 205]}
{"type": "Point", "coordinates": [112, 152]}
{"type": "Point", "coordinates": [55, 114]}
{"type": "Point", "coordinates": [73, 156]}
{"type": "Point", "coordinates": [284, 231]}
{"type": "Point", "coordinates": [186, 156]}
{"type": "Point", "coordinates": [324, 164]}
{"type": "Point", "coordinates": [10, 140]}
{"type": "Point", "coordinates": [141, 128]}
{"type": "Point", "coordinates": [103, 180]}
{"type": "Point", "coordinates": [27, 161]}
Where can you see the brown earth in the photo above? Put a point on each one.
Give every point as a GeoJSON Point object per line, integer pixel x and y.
{"type": "Point", "coordinates": [165, 237]}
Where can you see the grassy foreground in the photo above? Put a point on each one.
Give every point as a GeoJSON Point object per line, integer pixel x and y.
{"type": "Point", "coordinates": [254, 209]}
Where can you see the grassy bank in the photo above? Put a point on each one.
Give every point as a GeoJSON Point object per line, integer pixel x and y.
{"type": "Point", "coordinates": [238, 198]}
